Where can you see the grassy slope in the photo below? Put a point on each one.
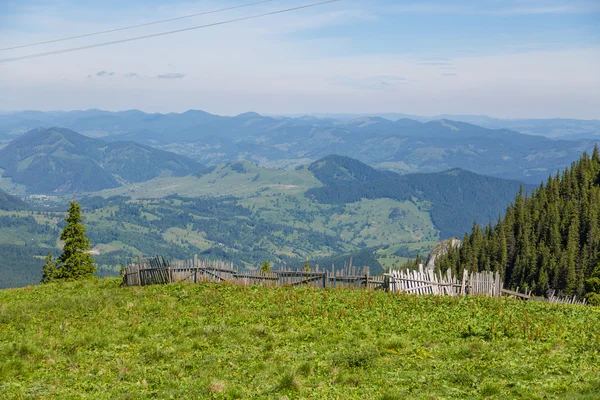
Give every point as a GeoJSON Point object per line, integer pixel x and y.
{"type": "Point", "coordinates": [223, 181]}
{"type": "Point", "coordinates": [97, 340]}
{"type": "Point", "coordinates": [278, 196]}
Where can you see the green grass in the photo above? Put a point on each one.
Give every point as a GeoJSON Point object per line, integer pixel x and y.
{"type": "Point", "coordinates": [97, 340]}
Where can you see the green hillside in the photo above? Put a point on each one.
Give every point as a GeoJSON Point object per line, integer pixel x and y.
{"type": "Point", "coordinates": [98, 340]}
{"type": "Point", "coordinates": [456, 197]}
{"type": "Point", "coordinates": [24, 240]}
{"type": "Point", "coordinates": [11, 203]}
{"type": "Point", "coordinates": [248, 215]}
{"type": "Point", "coordinates": [70, 162]}
{"type": "Point", "coordinates": [548, 240]}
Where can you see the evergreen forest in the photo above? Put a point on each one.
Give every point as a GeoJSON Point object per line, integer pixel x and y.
{"type": "Point", "coordinates": [548, 240]}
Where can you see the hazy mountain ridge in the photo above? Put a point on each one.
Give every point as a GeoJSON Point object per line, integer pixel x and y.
{"type": "Point", "coordinates": [60, 160]}
{"type": "Point", "coordinates": [405, 145]}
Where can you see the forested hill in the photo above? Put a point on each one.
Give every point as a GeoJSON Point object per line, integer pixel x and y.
{"type": "Point", "coordinates": [69, 162]}
{"type": "Point", "coordinates": [11, 203]}
{"type": "Point", "coordinates": [548, 240]}
{"type": "Point", "coordinates": [457, 197]}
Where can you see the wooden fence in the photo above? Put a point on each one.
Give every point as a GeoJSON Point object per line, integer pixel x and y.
{"type": "Point", "coordinates": [427, 282]}
{"type": "Point", "coordinates": [160, 271]}
{"type": "Point", "coordinates": [422, 282]}
{"type": "Point", "coordinates": [565, 300]}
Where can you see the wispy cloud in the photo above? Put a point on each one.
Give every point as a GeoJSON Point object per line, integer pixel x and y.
{"type": "Point", "coordinates": [376, 82]}
{"type": "Point", "coordinates": [171, 76]}
{"type": "Point", "coordinates": [105, 73]}
{"type": "Point", "coordinates": [449, 74]}
{"type": "Point", "coordinates": [436, 63]}
{"type": "Point", "coordinates": [131, 75]}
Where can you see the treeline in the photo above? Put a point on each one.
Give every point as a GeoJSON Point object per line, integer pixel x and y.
{"type": "Point", "coordinates": [548, 240]}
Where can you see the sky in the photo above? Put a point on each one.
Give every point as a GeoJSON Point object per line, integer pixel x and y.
{"type": "Point", "coordinates": [505, 59]}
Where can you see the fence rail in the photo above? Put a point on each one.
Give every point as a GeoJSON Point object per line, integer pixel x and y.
{"type": "Point", "coordinates": [422, 282]}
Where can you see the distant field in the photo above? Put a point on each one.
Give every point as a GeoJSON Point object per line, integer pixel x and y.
{"type": "Point", "coordinates": [97, 340]}
{"type": "Point", "coordinates": [223, 181]}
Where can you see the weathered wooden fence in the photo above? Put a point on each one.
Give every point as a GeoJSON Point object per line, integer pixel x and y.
{"type": "Point", "coordinates": [160, 271]}
{"type": "Point", "coordinates": [422, 282]}
{"type": "Point", "coordinates": [566, 300]}
{"type": "Point", "coordinates": [427, 282]}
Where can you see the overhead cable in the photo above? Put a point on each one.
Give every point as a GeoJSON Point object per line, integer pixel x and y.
{"type": "Point", "coordinates": [138, 26]}
{"type": "Point", "coordinates": [91, 46]}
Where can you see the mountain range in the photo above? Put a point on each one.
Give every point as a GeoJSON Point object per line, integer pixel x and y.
{"type": "Point", "coordinates": [404, 145]}
{"type": "Point", "coordinates": [58, 160]}
{"type": "Point", "coordinates": [330, 210]}
{"type": "Point", "coordinates": [252, 188]}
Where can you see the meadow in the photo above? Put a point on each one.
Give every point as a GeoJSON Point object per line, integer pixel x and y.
{"type": "Point", "coordinates": [95, 339]}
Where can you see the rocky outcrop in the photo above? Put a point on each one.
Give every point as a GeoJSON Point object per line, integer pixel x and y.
{"type": "Point", "coordinates": [441, 249]}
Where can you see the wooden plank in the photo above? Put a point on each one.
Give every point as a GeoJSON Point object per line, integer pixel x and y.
{"type": "Point", "coordinates": [516, 294]}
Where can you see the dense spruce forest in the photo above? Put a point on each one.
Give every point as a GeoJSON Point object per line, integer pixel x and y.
{"type": "Point", "coordinates": [549, 239]}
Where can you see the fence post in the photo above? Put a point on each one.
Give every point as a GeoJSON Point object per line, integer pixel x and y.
{"type": "Point", "coordinates": [324, 279]}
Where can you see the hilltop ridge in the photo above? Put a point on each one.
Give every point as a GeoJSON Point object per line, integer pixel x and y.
{"type": "Point", "coordinates": [69, 162]}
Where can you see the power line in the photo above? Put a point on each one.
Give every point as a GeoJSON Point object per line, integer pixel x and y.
{"type": "Point", "coordinates": [138, 26]}
{"type": "Point", "coordinates": [91, 46]}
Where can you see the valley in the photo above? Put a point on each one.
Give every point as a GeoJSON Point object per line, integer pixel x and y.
{"type": "Point", "coordinates": [248, 214]}
{"type": "Point", "coordinates": [140, 201]}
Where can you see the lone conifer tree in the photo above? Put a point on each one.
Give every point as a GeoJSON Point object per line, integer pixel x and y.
{"type": "Point", "coordinates": [75, 262]}
{"type": "Point", "coordinates": [49, 270]}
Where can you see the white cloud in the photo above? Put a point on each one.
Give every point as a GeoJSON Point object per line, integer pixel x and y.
{"type": "Point", "coordinates": [171, 75]}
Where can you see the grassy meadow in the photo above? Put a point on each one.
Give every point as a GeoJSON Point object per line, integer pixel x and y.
{"type": "Point", "coordinates": [97, 340]}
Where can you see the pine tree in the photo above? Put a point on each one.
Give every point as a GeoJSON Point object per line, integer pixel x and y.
{"type": "Point", "coordinates": [266, 267]}
{"type": "Point", "coordinates": [49, 270]}
{"type": "Point", "coordinates": [75, 261]}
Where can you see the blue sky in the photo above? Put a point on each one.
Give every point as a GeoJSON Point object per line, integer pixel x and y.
{"type": "Point", "coordinates": [511, 59]}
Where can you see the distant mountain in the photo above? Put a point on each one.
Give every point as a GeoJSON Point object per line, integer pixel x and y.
{"type": "Point", "coordinates": [11, 203]}
{"type": "Point", "coordinates": [339, 170]}
{"type": "Point", "coordinates": [565, 128]}
{"type": "Point", "coordinates": [405, 145]}
{"type": "Point", "coordinates": [457, 197]}
{"type": "Point", "coordinates": [60, 160]}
